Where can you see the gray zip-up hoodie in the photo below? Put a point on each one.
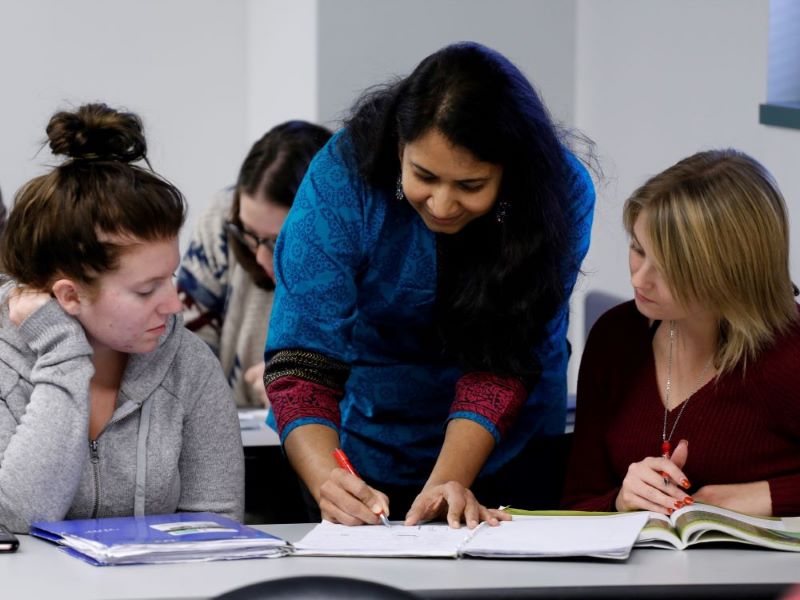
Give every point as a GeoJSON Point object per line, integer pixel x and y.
{"type": "Point", "coordinates": [173, 442]}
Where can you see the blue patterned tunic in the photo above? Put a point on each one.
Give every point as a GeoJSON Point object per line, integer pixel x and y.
{"type": "Point", "coordinates": [356, 281]}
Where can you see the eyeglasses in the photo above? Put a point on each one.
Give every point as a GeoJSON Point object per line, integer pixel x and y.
{"type": "Point", "coordinates": [250, 240]}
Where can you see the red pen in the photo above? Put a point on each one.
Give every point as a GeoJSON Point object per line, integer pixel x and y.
{"type": "Point", "coordinates": [344, 463]}
{"type": "Point", "coordinates": [665, 453]}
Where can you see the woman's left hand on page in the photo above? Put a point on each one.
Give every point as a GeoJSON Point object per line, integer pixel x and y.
{"type": "Point", "coordinates": [454, 502]}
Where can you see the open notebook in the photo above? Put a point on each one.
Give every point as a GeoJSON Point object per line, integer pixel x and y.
{"type": "Point", "coordinates": [607, 536]}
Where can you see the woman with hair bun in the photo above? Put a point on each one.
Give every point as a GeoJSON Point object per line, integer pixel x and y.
{"type": "Point", "coordinates": [108, 405]}
{"type": "Point", "coordinates": [691, 392]}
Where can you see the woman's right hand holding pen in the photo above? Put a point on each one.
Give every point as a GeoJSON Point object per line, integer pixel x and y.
{"type": "Point", "coordinates": [341, 496]}
{"type": "Point", "coordinates": [656, 484]}
{"type": "Point", "coordinates": [345, 498]}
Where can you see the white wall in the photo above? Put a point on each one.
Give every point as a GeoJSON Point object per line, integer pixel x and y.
{"type": "Point", "coordinates": [281, 59]}
{"type": "Point", "coordinates": [180, 65]}
{"type": "Point", "coordinates": [651, 81]}
{"type": "Point", "coordinates": [658, 81]}
{"type": "Point", "coordinates": [365, 42]}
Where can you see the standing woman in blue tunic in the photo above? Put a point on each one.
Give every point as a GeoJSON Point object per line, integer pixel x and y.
{"type": "Point", "coordinates": [420, 312]}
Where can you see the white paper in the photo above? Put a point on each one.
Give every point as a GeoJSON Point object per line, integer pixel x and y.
{"type": "Point", "coordinates": [524, 536]}
{"type": "Point", "coordinates": [378, 540]}
{"type": "Point", "coordinates": [610, 536]}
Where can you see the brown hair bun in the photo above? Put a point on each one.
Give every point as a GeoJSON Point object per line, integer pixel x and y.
{"type": "Point", "coordinates": [95, 131]}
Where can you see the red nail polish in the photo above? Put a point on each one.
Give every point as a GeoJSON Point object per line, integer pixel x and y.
{"type": "Point", "coordinates": [688, 500]}
{"type": "Point", "coordinates": [678, 504]}
{"type": "Point", "coordinates": [670, 511]}
{"type": "Point", "coordinates": [685, 483]}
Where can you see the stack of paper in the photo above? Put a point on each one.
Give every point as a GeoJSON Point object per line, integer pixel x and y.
{"type": "Point", "coordinates": [604, 536]}
{"type": "Point", "coordinates": [179, 537]}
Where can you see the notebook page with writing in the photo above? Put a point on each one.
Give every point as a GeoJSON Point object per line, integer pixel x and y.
{"type": "Point", "coordinates": [429, 540]}
{"type": "Point", "coordinates": [524, 537]}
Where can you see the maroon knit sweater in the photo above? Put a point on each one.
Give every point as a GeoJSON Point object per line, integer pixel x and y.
{"type": "Point", "coordinates": [740, 428]}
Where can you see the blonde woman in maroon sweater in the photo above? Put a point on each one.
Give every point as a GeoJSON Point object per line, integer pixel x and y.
{"type": "Point", "coordinates": [691, 392]}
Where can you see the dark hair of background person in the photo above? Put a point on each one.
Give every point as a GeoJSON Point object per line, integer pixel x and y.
{"type": "Point", "coordinates": [272, 172]}
{"type": "Point", "coordinates": [503, 282]}
{"type": "Point", "coordinates": [78, 219]}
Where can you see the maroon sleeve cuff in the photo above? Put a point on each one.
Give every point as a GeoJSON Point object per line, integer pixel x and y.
{"type": "Point", "coordinates": [785, 495]}
{"type": "Point", "coordinates": [493, 398]}
{"type": "Point", "coordinates": [297, 401]}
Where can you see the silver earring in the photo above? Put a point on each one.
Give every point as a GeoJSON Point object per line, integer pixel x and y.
{"type": "Point", "coordinates": [398, 191]}
{"type": "Point", "coordinates": [501, 211]}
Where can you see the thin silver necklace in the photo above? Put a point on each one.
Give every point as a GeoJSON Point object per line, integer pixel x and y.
{"type": "Point", "coordinates": [666, 444]}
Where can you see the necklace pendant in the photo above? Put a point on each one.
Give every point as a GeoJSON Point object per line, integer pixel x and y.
{"type": "Point", "coordinates": [666, 448]}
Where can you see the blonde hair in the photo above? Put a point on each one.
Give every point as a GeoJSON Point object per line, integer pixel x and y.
{"type": "Point", "coordinates": [718, 228]}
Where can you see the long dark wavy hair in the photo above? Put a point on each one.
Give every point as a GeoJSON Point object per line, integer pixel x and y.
{"type": "Point", "coordinates": [271, 172]}
{"type": "Point", "coordinates": [502, 282]}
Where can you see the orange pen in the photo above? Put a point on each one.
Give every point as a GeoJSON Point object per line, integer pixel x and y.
{"type": "Point", "coordinates": [344, 463]}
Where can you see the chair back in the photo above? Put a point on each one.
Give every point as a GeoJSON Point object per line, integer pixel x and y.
{"type": "Point", "coordinates": [595, 304]}
{"type": "Point", "coordinates": [317, 587]}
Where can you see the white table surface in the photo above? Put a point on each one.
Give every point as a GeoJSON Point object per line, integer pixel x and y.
{"type": "Point", "coordinates": [40, 570]}
{"type": "Point", "coordinates": [254, 430]}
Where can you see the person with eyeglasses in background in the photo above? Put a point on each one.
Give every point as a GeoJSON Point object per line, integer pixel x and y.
{"type": "Point", "coordinates": [226, 280]}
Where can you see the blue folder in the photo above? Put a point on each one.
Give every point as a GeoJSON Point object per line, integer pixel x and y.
{"type": "Point", "coordinates": [177, 537]}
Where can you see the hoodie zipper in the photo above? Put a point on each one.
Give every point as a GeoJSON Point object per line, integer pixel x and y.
{"type": "Point", "coordinates": [95, 458]}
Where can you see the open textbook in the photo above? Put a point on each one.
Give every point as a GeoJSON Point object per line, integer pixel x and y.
{"type": "Point", "coordinates": [703, 523]}
{"type": "Point", "coordinates": [607, 536]}
{"type": "Point", "coordinates": [178, 537]}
